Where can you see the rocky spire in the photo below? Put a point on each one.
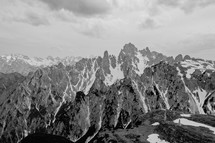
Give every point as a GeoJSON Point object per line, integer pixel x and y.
{"type": "Point", "coordinates": [106, 63]}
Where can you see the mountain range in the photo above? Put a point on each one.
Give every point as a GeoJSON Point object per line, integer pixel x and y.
{"type": "Point", "coordinates": [137, 96]}
{"type": "Point", "coordinates": [24, 64]}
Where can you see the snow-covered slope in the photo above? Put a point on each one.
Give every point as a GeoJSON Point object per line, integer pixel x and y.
{"type": "Point", "coordinates": [24, 64]}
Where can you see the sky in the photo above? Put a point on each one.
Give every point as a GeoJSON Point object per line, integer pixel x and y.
{"type": "Point", "coordinates": [89, 27]}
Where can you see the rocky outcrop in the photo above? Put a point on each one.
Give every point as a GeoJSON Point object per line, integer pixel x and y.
{"type": "Point", "coordinates": [179, 58]}
{"type": "Point", "coordinates": [9, 80]}
{"type": "Point", "coordinates": [160, 126]}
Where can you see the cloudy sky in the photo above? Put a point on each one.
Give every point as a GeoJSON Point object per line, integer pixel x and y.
{"type": "Point", "coordinates": [88, 27]}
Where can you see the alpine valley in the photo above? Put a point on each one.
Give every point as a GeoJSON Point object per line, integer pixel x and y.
{"type": "Point", "coordinates": [139, 96]}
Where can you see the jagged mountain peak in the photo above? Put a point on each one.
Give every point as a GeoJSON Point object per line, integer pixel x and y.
{"type": "Point", "coordinates": [129, 49]}
{"type": "Point", "coordinates": [137, 58]}
{"type": "Point", "coordinates": [82, 100]}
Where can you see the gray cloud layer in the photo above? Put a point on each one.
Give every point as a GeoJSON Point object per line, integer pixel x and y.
{"type": "Point", "coordinates": [29, 18]}
{"type": "Point", "coordinates": [80, 7]}
{"type": "Point", "coordinates": [35, 19]}
{"type": "Point", "coordinates": [186, 5]}
{"type": "Point", "coordinates": [149, 23]}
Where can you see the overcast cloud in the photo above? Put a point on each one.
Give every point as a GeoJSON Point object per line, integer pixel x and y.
{"type": "Point", "coordinates": [94, 26]}
{"type": "Point", "coordinates": [80, 7]}
{"type": "Point", "coordinates": [186, 5]}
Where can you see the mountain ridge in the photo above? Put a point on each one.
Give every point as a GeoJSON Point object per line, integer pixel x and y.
{"type": "Point", "coordinates": [12, 62]}
{"type": "Point", "coordinates": [24, 64]}
{"type": "Point", "coordinates": [94, 95]}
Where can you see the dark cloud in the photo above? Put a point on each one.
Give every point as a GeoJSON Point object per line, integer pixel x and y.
{"type": "Point", "coordinates": [149, 23]}
{"type": "Point", "coordinates": [187, 5]}
{"type": "Point", "coordinates": [36, 20]}
{"type": "Point", "coordinates": [172, 3]}
{"type": "Point", "coordinates": [29, 18]}
{"type": "Point", "coordinates": [80, 7]}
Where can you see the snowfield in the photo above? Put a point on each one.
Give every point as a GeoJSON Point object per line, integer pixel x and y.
{"type": "Point", "coordinates": [155, 124]}
{"type": "Point", "coordinates": [184, 121]}
{"type": "Point", "coordinates": [185, 115]}
{"type": "Point", "coordinates": [153, 138]}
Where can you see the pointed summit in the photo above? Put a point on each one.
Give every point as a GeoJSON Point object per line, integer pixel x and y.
{"type": "Point", "coordinates": [146, 52]}
{"type": "Point", "coordinates": [128, 52]}
{"type": "Point", "coordinates": [106, 63]}
{"type": "Point", "coordinates": [106, 55]}
{"type": "Point", "coordinates": [179, 58]}
{"type": "Point", "coordinates": [129, 49]}
{"type": "Point", "coordinates": [147, 49]}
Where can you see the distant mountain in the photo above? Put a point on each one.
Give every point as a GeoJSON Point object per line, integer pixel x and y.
{"type": "Point", "coordinates": [133, 97]}
{"type": "Point", "coordinates": [23, 64]}
{"type": "Point", "coordinates": [8, 80]}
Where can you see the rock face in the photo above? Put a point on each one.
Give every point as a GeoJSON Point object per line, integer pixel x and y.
{"type": "Point", "coordinates": [9, 80]}
{"type": "Point", "coordinates": [83, 101]}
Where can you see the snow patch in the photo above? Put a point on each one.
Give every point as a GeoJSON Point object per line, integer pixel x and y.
{"type": "Point", "coordinates": [184, 121]}
{"type": "Point", "coordinates": [25, 133]}
{"type": "Point", "coordinates": [91, 79]}
{"type": "Point", "coordinates": [189, 72]}
{"type": "Point", "coordinates": [126, 125]}
{"type": "Point", "coordinates": [142, 64]}
{"type": "Point", "coordinates": [142, 98]}
{"type": "Point", "coordinates": [8, 58]}
{"type": "Point", "coordinates": [197, 103]}
{"type": "Point", "coordinates": [90, 83]}
{"type": "Point", "coordinates": [155, 124]}
{"type": "Point", "coordinates": [198, 64]}
{"type": "Point", "coordinates": [202, 95]}
{"type": "Point", "coordinates": [163, 95]}
{"type": "Point", "coordinates": [179, 73]}
{"type": "Point", "coordinates": [115, 75]}
{"type": "Point", "coordinates": [200, 109]}
{"type": "Point", "coordinates": [153, 138]}
{"type": "Point", "coordinates": [185, 115]}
